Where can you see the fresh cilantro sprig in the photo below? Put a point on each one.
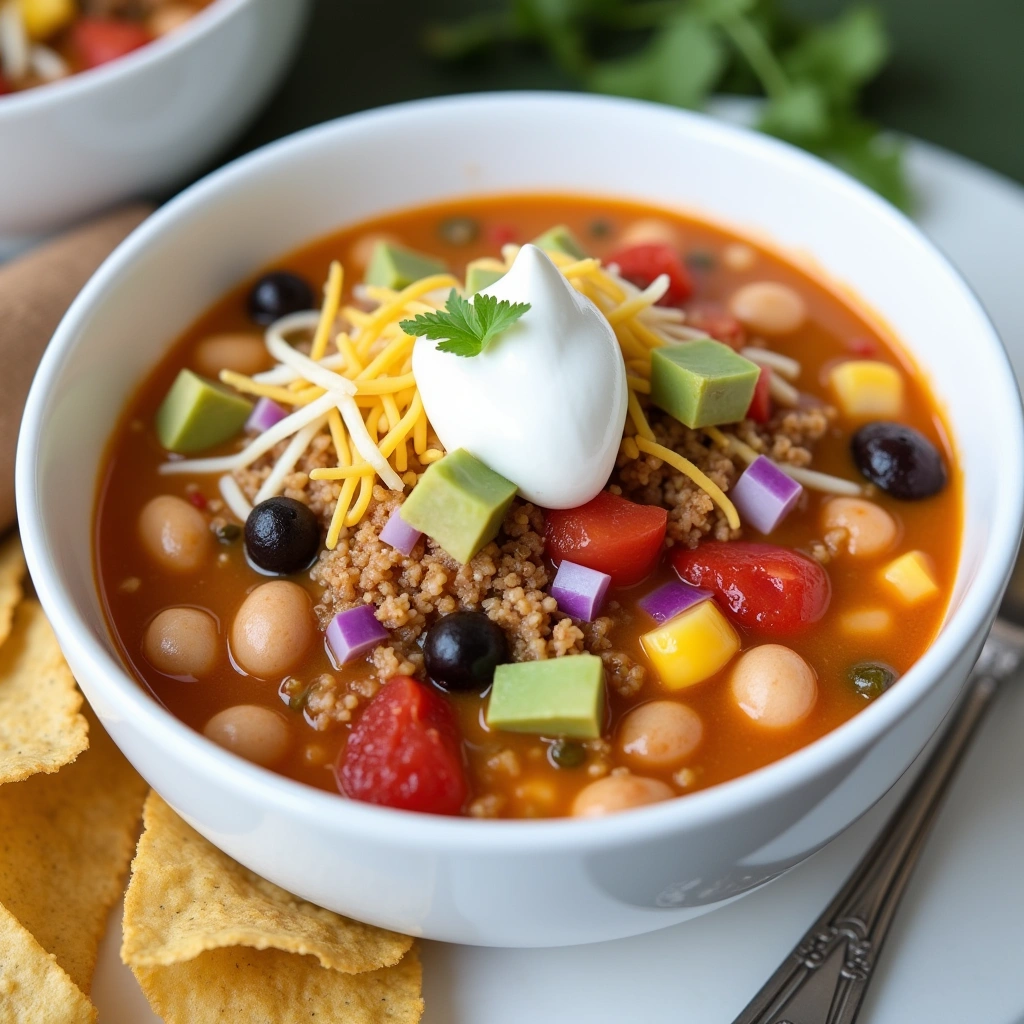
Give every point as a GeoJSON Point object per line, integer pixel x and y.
{"type": "Point", "coordinates": [466, 328]}
{"type": "Point", "coordinates": [679, 52]}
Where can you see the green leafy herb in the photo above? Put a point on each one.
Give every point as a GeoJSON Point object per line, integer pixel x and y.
{"type": "Point", "coordinates": [681, 51]}
{"type": "Point", "coordinates": [680, 65]}
{"type": "Point", "coordinates": [466, 328]}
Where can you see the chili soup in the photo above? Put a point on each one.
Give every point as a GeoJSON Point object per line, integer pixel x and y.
{"type": "Point", "coordinates": [527, 530]}
{"type": "Point", "coordinates": [43, 41]}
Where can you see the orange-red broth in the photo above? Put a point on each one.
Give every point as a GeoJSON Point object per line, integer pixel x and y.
{"type": "Point", "coordinates": [732, 743]}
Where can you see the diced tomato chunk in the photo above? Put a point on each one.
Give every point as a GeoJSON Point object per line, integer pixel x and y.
{"type": "Point", "coordinates": [405, 752]}
{"type": "Point", "coordinates": [610, 534]}
{"type": "Point", "coordinates": [501, 234]}
{"type": "Point", "coordinates": [864, 347]}
{"type": "Point", "coordinates": [100, 40]}
{"type": "Point", "coordinates": [714, 319]}
{"type": "Point", "coordinates": [641, 264]}
{"type": "Point", "coordinates": [760, 410]}
{"type": "Point", "coordinates": [761, 586]}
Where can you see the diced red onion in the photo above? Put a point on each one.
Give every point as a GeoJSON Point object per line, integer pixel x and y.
{"type": "Point", "coordinates": [354, 632]}
{"type": "Point", "coordinates": [764, 495]}
{"type": "Point", "coordinates": [671, 600]}
{"type": "Point", "coordinates": [580, 591]}
{"type": "Point", "coordinates": [265, 414]}
{"type": "Point", "coordinates": [398, 533]}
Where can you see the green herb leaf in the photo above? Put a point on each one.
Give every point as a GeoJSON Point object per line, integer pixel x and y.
{"type": "Point", "coordinates": [800, 115]}
{"type": "Point", "coordinates": [680, 51]}
{"type": "Point", "coordinates": [842, 56]}
{"type": "Point", "coordinates": [719, 10]}
{"type": "Point", "coordinates": [680, 65]}
{"type": "Point", "coordinates": [466, 328]}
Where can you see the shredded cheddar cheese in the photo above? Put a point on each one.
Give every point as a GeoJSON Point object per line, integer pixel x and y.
{"type": "Point", "coordinates": [356, 385]}
{"type": "Point", "coordinates": [687, 468]}
{"type": "Point", "coordinates": [636, 414]}
{"type": "Point", "coordinates": [332, 300]}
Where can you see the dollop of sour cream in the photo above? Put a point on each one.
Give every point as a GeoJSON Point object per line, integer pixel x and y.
{"type": "Point", "coordinates": [544, 404]}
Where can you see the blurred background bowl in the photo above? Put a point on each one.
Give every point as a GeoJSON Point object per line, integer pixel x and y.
{"type": "Point", "coordinates": [141, 124]}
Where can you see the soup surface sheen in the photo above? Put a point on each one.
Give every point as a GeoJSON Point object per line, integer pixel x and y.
{"type": "Point", "coordinates": [788, 683]}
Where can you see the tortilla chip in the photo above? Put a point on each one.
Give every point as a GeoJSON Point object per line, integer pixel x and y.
{"type": "Point", "coordinates": [271, 987]}
{"type": "Point", "coordinates": [65, 845]}
{"type": "Point", "coordinates": [186, 897]}
{"type": "Point", "coordinates": [12, 570]}
{"type": "Point", "coordinates": [40, 726]}
{"type": "Point", "coordinates": [33, 989]}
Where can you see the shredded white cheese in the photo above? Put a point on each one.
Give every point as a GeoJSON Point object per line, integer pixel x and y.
{"type": "Point", "coordinates": [259, 446]}
{"type": "Point", "coordinates": [782, 365]}
{"type": "Point", "coordinates": [281, 374]}
{"type": "Point", "coordinates": [289, 457]}
{"type": "Point", "coordinates": [306, 367]}
{"type": "Point", "coordinates": [48, 64]}
{"type": "Point", "coordinates": [825, 482]}
{"type": "Point", "coordinates": [782, 391]}
{"type": "Point", "coordinates": [233, 497]}
{"type": "Point", "coordinates": [364, 443]}
{"type": "Point", "coordinates": [14, 44]}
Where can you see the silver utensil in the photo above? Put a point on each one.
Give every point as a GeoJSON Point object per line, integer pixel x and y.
{"type": "Point", "coordinates": [825, 977]}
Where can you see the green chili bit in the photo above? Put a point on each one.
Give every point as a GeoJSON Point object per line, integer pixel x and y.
{"type": "Point", "coordinates": [229, 533]}
{"type": "Point", "coordinates": [458, 230]}
{"type": "Point", "coordinates": [566, 754]}
{"type": "Point", "coordinates": [699, 259]}
{"type": "Point", "coordinates": [871, 679]}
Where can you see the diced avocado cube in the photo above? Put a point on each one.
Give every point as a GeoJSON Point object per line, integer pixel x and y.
{"type": "Point", "coordinates": [555, 697]}
{"type": "Point", "coordinates": [393, 266]}
{"type": "Point", "coordinates": [197, 413]}
{"type": "Point", "coordinates": [481, 274]}
{"type": "Point", "coordinates": [702, 383]}
{"type": "Point", "coordinates": [460, 503]}
{"type": "Point", "coordinates": [560, 239]}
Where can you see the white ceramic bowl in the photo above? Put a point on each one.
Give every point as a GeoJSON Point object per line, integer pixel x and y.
{"type": "Point", "coordinates": [517, 882]}
{"type": "Point", "coordinates": [140, 124]}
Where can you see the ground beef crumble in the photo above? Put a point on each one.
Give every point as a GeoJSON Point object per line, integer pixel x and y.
{"type": "Point", "coordinates": [507, 578]}
{"type": "Point", "coordinates": [693, 516]}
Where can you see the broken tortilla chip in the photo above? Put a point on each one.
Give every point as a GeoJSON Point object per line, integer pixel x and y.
{"type": "Point", "coordinates": [12, 571]}
{"type": "Point", "coordinates": [65, 844]}
{"type": "Point", "coordinates": [33, 988]}
{"type": "Point", "coordinates": [40, 726]}
{"type": "Point", "coordinates": [269, 986]}
{"type": "Point", "coordinates": [186, 897]}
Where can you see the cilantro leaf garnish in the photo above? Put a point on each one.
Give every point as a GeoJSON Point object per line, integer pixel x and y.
{"type": "Point", "coordinates": [466, 328]}
{"type": "Point", "coordinates": [680, 52]}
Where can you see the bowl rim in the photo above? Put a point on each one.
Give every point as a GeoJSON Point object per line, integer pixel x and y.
{"type": "Point", "coordinates": [325, 810]}
{"type": "Point", "coordinates": [82, 83]}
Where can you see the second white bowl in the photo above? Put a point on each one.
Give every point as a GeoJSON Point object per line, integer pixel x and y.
{"type": "Point", "coordinates": [140, 124]}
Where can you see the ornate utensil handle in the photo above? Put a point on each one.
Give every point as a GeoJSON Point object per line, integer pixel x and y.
{"type": "Point", "coordinates": [824, 979]}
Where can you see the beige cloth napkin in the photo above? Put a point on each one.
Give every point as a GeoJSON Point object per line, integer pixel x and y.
{"type": "Point", "coordinates": [35, 292]}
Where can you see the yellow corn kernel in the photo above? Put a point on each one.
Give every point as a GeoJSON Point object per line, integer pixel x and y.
{"type": "Point", "coordinates": [866, 621]}
{"type": "Point", "coordinates": [912, 577]}
{"type": "Point", "coordinates": [43, 18]}
{"type": "Point", "coordinates": [866, 387]}
{"type": "Point", "coordinates": [691, 647]}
